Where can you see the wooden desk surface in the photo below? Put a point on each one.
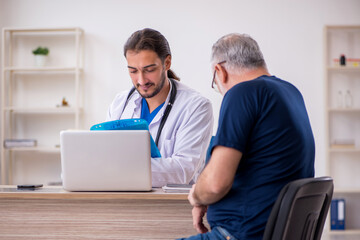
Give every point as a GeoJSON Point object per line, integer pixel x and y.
{"type": "Point", "coordinates": [56, 192]}
{"type": "Point", "coordinates": [52, 213]}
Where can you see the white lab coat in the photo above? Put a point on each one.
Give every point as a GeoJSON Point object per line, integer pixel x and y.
{"type": "Point", "coordinates": [184, 139]}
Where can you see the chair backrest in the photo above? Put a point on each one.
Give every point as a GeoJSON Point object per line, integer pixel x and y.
{"type": "Point", "coordinates": [300, 210]}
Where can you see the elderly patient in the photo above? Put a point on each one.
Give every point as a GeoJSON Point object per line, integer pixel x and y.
{"type": "Point", "coordinates": [264, 140]}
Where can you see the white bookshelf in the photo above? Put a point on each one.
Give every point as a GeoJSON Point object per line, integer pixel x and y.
{"type": "Point", "coordinates": [35, 149]}
{"type": "Point", "coordinates": [42, 69]}
{"type": "Point", "coordinates": [346, 232]}
{"type": "Point", "coordinates": [343, 123]}
{"type": "Point", "coordinates": [354, 110]}
{"type": "Point", "coordinates": [343, 69]}
{"type": "Point", "coordinates": [31, 99]}
{"type": "Point", "coordinates": [59, 110]}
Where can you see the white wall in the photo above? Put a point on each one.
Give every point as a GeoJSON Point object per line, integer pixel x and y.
{"type": "Point", "coordinates": [290, 34]}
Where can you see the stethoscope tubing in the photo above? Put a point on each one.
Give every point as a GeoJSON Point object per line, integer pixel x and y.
{"type": "Point", "coordinates": [167, 109]}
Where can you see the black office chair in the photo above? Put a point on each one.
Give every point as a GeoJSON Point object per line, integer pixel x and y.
{"type": "Point", "coordinates": [300, 210]}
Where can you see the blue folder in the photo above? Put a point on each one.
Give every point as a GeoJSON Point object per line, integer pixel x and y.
{"type": "Point", "coordinates": [129, 124]}
{"type": "Point", "coordinates": [337, 214]}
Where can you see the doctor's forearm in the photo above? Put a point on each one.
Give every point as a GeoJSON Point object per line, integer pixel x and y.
{"type": "Point", "coordinates": [168, 170]}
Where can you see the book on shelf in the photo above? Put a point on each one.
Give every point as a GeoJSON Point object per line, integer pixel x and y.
{"type": "Point", "coordinates": [177, 188]}
{"type": "Point", "coordinates": [13, 143]}
{"type": "Point", "coordinates": [337, 214]}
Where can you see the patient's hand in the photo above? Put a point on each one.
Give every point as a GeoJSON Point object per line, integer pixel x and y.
{"type": "Point", "coordinates": [198, 212]}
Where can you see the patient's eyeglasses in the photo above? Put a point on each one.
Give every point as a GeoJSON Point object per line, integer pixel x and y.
{"type": "Point", "coordinates": [213, 83]}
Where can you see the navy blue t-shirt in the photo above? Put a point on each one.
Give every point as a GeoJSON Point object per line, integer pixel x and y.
{"type": "Point", "coordinates": [266, 120]}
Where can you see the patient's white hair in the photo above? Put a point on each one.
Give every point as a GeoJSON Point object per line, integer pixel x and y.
{"type": "Point", "coordinates": [240, 52]}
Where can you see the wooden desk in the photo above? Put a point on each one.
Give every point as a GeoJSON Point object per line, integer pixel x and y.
{"type": "Point", "coordinates": [52, 213]}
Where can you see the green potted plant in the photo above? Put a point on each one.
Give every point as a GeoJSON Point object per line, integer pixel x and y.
{"type": "Point", "coordinates": [41, 54]}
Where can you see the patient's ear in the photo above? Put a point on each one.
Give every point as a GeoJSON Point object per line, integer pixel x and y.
{"type": "Point", "coordinates": [222, 74]}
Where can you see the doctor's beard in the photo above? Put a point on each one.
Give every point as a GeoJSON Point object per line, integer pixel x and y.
{"type": "Point", "coordinates": [157, 88]}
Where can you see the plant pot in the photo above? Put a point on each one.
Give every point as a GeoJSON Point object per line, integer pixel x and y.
{"type": "Point", "coordinates": [40, 60]}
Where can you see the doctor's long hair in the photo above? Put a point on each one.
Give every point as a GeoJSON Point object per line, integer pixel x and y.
{"type": "Point", "coordinates": [150, 39]}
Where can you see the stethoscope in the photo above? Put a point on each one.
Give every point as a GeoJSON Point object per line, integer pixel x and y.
{"type": "Point", "coordinates": [167, 109]}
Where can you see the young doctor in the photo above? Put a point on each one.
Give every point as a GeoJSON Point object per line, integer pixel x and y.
{"type": "Point", "coordinates": [179, 118]}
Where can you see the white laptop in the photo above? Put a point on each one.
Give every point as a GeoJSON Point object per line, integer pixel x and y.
{"type": "Point", "coordinates": [106, 160]}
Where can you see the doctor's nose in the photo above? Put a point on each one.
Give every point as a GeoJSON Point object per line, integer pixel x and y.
{"type": "Point", "coordinates": [141, 79]}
